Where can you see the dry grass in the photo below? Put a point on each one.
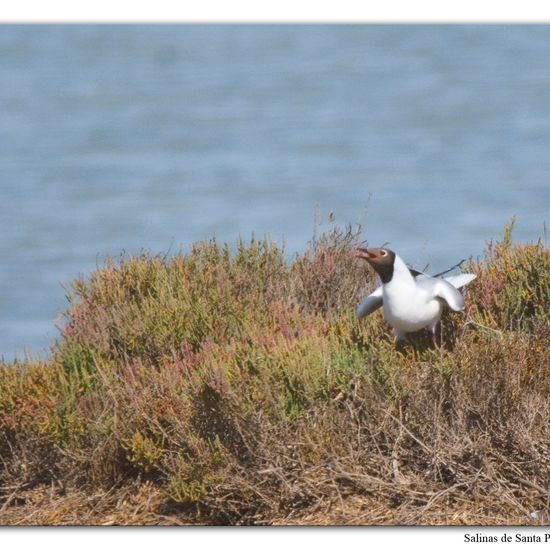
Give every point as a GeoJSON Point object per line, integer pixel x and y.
{"type": "Point", "coordinates": [229, 387]}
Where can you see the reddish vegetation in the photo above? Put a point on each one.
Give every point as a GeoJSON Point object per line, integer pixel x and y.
{"type": "Point", "coordinates": [240, 388]}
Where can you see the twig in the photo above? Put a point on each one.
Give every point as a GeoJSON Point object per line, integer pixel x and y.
{"type": "Point", "coordinates": [11, 497]}
{"type": "Point", "coordinates": [429, 450]}
{"type": "Point", "coordinates": [438, 495]}
{"type": "Point", "coordinates": [450, 269]}
{"type": "Point", "coordinates": [472, 322]}
{"type": "Point", "coordinates": [534, 486]}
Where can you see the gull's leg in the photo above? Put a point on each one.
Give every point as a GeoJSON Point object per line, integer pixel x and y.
{"type": "Point", "coordinates": [435, 342]}
{"type": "Point", "coordinates": [399, 335]}
{"type": "Point", "coordinates": [401, 338]}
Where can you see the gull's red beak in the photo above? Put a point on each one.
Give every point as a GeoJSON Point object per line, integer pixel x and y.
{"type": "Point", "coordinates": [364, 253]}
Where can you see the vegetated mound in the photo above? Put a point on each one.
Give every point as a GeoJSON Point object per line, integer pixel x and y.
{"type": "Point", "coordinates": [224, 387]}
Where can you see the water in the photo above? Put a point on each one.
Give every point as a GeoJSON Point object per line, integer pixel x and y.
{"type": "Point", "coordinates": [128, 137]}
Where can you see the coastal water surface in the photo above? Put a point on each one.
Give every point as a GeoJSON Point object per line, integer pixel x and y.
{"type": "Point", "coordinates": [123, 138]}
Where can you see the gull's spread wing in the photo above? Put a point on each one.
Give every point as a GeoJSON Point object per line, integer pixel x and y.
{"type": "Point", "coordinates": [371, 303]}
{"type": "Point", "coordinates": [458, 281]}
{"type": "Point", "coordinates": [446, 291]}
{"type": "Point", "coordinates": [443, 289]}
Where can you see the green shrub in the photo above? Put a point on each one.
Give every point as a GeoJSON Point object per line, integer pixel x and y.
{"type": "Point", "coordinates": [243, 385]}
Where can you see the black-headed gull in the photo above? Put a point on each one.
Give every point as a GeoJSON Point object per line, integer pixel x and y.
{"type": "Point", "coordinates": [411, 300]}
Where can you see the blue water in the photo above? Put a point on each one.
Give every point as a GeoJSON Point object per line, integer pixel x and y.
{"type": "Point", "coordinates": [120, 138]}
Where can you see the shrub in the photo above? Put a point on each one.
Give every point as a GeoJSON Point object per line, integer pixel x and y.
{"type": "Point", "coordinates": [243, 388]}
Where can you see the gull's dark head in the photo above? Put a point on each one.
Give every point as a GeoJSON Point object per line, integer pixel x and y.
{"type": "Point", "coordinates": [381, 260]}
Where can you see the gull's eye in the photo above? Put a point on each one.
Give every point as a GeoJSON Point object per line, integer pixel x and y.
{"type": "Point", "coordinates": [383, 253]}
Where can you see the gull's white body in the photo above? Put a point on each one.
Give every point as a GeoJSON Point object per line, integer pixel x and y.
{"type": "Point", "coordinates": [411, 303]}
{"type": "Point", "coordinates": [407, 306]}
